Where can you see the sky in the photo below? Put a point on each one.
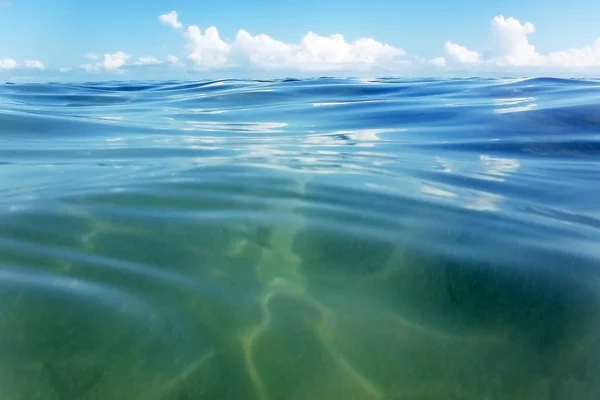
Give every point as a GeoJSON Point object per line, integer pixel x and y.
{"type": "Point", "coordinates": [149, 39]}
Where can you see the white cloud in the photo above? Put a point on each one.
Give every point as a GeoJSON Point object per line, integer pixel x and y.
{"type": "Point", "coordinates": [511, 45]}
{"type": "Point", "coordinates": [261, 50]}
{"type": "Point", "coordinates": [115, 61]}
{"type": "Point", "coordinates": [171, 19]}
{"type": "Point", "coordinates": [587, 56]}
{"type": "Point", "coordinates": [111, 62]}
{"type": "Point", "coordinates": [34, 64]}
{"type": "Point", "coordinates": [8, 63]}
{"type": "Point", "coordinates": [90, 67]}
{"type": "Point", "coordinates": [172, 59]}
{"type": "Point", "coordinates": [148, 61]}
{"type": "Point", "coordinates": [511, 48]}
{"type": "Point", "coordinates": [65, 69]}
{"type": "Point", "coordinates": [206, 49]}
{"type": "Point", "coordinates": [439, 62]}
{"type": "Point", "coordinates": [314, 52]}
{"type": "Point", "coordinates": [460, 54]}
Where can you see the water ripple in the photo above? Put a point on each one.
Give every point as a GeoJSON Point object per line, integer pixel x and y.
{"type": "Point", "coordinates": [317, 238]}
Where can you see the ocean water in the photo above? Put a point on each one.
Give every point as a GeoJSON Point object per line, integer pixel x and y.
{"type": "Point", "coordinates": [300, 239]}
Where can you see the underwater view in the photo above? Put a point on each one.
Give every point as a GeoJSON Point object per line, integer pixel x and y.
{"type": "Point", "coordinates": [402, 239]}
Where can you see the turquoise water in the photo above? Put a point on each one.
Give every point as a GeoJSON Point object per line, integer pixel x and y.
{"type": "Point", "coordinates": [300, 239]}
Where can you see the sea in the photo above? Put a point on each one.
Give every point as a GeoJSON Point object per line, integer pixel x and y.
{"type": "Point", "coordinates": [300, 239]}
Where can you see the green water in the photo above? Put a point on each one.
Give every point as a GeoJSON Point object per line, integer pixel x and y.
{"type": "Point", "coordinates": [325, 239]}
{"type": "Point", "coordinates": [139, 302]}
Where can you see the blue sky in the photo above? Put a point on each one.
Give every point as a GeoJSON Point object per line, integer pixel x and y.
{"type": "Point", "coordinates": [429, 36]}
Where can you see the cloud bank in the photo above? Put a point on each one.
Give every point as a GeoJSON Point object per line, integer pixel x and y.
{"type": "Point", "coordinates": [206, 50]}
{"type": "Point", "coordinates": [510, 50]}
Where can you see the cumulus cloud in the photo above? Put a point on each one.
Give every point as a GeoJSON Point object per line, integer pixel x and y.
{"type": "Point", "coordinates": [460, 54]}
{"type": "Point", "coordinates": [148, 61]}
{"type": "Point", "coordinates": [587, 56]}
{"type": "Point", "coordinates": [8, 63]}
{"type": "Point", "coordinates": [206, 48]}
{"type": "Point", "coordinates": [314, 52]}
{"type": "Point", "coordinates": [511, 48]}
{"type": "Point", "coordinates": [172, 59]}
{"type": "Point", "coordinates": [111, 62]}
{"type": "Point", "coordinates": [171, 19]}
{"type": "Point", "coordinates": [115, 60]}
{"type": "Point", "coordinates": [34, 64]}
{"type": "Point", "coordinates": [261, 50]}
{"type": "Point", "coordinates": [330, 52]}
{"type": "Point", "coordinates": [511, 44]}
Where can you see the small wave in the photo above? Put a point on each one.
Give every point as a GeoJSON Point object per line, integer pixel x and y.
{"type": "Point", "coordinates": [213, 238]}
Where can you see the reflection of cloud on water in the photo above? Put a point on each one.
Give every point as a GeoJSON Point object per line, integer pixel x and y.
{"type": "Point", "coordinates": [366, 134]}
{"type": "Point", "coordinates": [205, 111]}
{"type": "Point", "coordinates": [497, 167]}
{"type": "Point", "coordinates": [511, 101]}
{"type": "Point", "coordinates": [445, 165]}
{"type": "Point", "coordinates": [212, 126]}
{"type": "Point", "coordinates": [501, 105]}
{"type": "Point", "coordinates": [483, 201]}
{"type": "Point", "coordinates": [435, 191]}
{"type": "Point", "coordinates": [115, 140]}
{"type": "Point", "coordinates": [210, 161]}
{"type": "Point", "coordinates": [322, 153]}
{"type": "Point", "coordinates": [384, 188]}
{"type": "Point", "coordinates": [366, 137]}
{"type": "Point", "coordinates": [114, 118]}
{"type": "Point", "coordinates": [489, 168]}
{"type": "Point", "coordinates": [520, 104]}
{"type": "Point", "coordinates": [318, 153]}
{"type": "Point", "coordinates": [276, 157]}
{"type": "Point", "coordinates": [358, 137]}
{"type": "Point", "coordinates": [341, 103]}
{"type": "Point", "coordinates": [527, 107]}
{"type": "Point", "coordinates": [486, 168]}
{"type": "Point", "coordinates": [322, 140]}
{"type": "Point", "coordinates": [203, 142]}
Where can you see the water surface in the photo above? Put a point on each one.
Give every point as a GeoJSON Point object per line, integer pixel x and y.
{"type": "Point", "coordinates": [300, 239]}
